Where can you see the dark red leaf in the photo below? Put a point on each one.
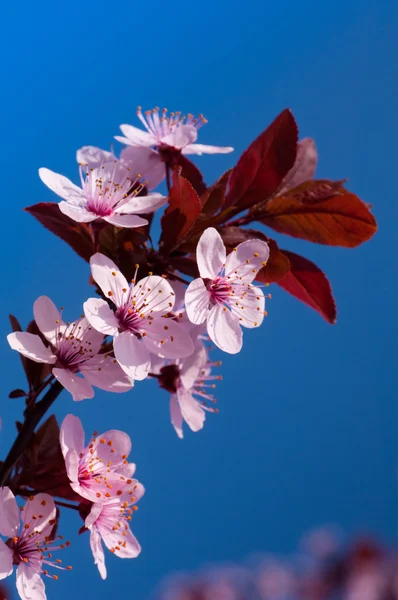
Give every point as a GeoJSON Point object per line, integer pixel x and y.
{"type": "Point", "coordinates": [308, 283]}
{"type": "Point", "coordinates": [191, 172]}
{"type": "Point", "coordinates": [181, 213]}
{"type": "Point", "coordinates": [17, 394]}
{"type": "Point", "coordinates": [77, 235]}
{"type": "Point", "coordinates": [262, 167]}
{"type": "Point", "coordinates": [213, 199]}
{"type": "Point", "coordinates": [277, 266]}
{"type": "Point", "coordinates": [322, 212]}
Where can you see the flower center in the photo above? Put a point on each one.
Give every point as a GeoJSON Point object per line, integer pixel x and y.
{"type": "Point", "coordinates": [220, 290]}
{"type": "Point", "coordinates": [73, 348]}
{"type": "Point", "coordinates": [129, 319]}
{"type": "Point", "coordinates": [169, 377]}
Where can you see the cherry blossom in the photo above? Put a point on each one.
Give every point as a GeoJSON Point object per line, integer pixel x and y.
{"type": "Point", "coordinates": [30, 542]}
{"type": "Point", "coordinates": [100, 470]}
{"type": "Point", "coordinates": [107, 192]}
{"type": "Point", "coordinates": [224, 296]}
{"type": "Point", "coordinates": [73, 348]}
{"type": "Point", "coordinates": [188, 380]}
{"type": "Point", "coordinates": [141, 323]}
{"type": "Point", "coordinates": [171, 130]}
{"type": "Point", "coordinates": [109, 522]}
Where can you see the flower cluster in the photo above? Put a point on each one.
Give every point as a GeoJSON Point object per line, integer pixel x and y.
{"type": "Point", "coordinates": [155, 312]}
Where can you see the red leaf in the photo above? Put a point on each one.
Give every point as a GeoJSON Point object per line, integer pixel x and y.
{"type": "Point", "coordinates": [308, 283]}
{"type": "Point", "coordinates": [77, 235]}
{"type": "Point", "coordinates": [262, 167]}
{"type": "Point", "coordinates": [322, 212]}
{"type": "Point", "coordinates": [181, 213]}
{"type": "Point", "coordinates": [277, 266]}
{"type": "Point", "coordinates": [213, 199]}
{"type": "Point", "coordinates": [191, 172]}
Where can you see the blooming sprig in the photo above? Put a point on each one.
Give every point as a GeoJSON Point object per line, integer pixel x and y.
{"type": "Point", "coordinates": [224, 296]}
{"type": "Point", "coordinates": [73, 348]}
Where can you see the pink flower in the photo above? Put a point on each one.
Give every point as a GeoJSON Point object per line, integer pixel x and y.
{"type": "Point", "coordinates": [175, 131]}
{"type": "Point", "coordinates": [139, 324]}
{"type": "Point", "coordinates": [108, 192]}
{"type": "Point", "coordinates": [109, 521]}
{"type": "Point", "coordinates": [100, 470]}
{"type": "Point", "coordinates": [30, 542]}
{"type": "Point", "coordinates": [73, 348]}
{"type": "Point", "coordinates": [188, 381]}
{"type": "Point", "coordinates": [224, 296]}
{"type": "Point", "coordinates": [139, 160]}
{"type": "Point", "coordinates": [303, 168]}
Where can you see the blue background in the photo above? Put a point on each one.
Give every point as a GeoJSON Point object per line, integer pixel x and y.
{"type": "Point", "coordinates": [307, 429]}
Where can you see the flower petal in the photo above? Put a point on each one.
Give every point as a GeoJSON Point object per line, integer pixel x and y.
{"type": "Point", "coordinates": [9, 513]}
{"type": "Point", "coordinates": [6, 558]}
{"type": "Point", "coordinates": [155, 294]}
{"type": "Point", "coordinates": [250, 308]}
{"type": "Point", "coordinates": [192, 365]}
{"type": "Point", "coordinates": [48, 318]}
{"type": "Point", "coordinates": [132, 355]}
{"type": "Point", "coordinates": [224, 329]}
{"type": "Point", "coordinates": [93, 156]}
{"type": "Point", "coordinates": [105, 373]}
{"type": "Point", "coordinates": [146, 162]}
{"type": "Point", "coordinates": [176, 416]}
{"type": "Point", "coordinates": [210, 253]}
{"type": "Point", "coordinates": [200, 149]}
{"type": "Point", "coordinates": [71, 435]}
{"type": "Point", "coordinates": [98, 551]}
{"type": "Point", "coordinates": [130, 547]}
{"type": "Point", "coordinates": [62, 186]}
{"type": "Point", "coordinates": [182, 136]}
{"type": "Point", "coordinates": [30, 585]}
{"type": "Point", "coordinates": [78, 213]}
{"type": "Point", "coordinates": [100, 316]}
{"type": "Point", "coordinates": [246, 260]}
{"type": "Point", "coordinates": [197, 301]}
{"type": "Point", "coordinates": [108, 276]}
{"type": "Point", "coordinates": [193, 414]}
{"type": "Point", "coordinates": [167, 339]}
{"type": "Point", "coordinates": [38, 513]}
{"type": "Point", "coordinates": [31, 346]}
{"type": "Point", "coordinates": [304, 167]}
{"type": "Point", "coordinates": [143, 204]}
{"type": "Point", "coordinates": [129, 221]}
{"type": "Point", "coordinates": [135, 136]}
{"type": "Point", "coordinates": [77, 386]}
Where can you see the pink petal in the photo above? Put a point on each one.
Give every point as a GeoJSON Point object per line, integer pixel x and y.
{"type": "Point", "coordinates": [105, 373]}
{"type": "Point", "coordinates": [252, 313]}
{"type": "Point", "coordinates": [93, 515]}
{"type": "Point", "coordinates": [71, 435]}
{"type": "Point", "coordinates": [200, 149]}
{"type": "Point", "coordinates": [144, 204]}
{"type": "Point", "coordinates": [120, 443]}
{"type": "Point", "coordinates": [245, 262]}
{"type": "Point", "coordinates": [77, 386]}
{"type": "Point", "coordinates": [98, 552]}
{"type": "Point", "coordinates": [181, 137]}
{"type": "Point", "coordinates": [30, 585]}
{"type": "Point", "coordinates": [6, 559]}
{"type": "Point", "coordinates": [304, 167]}
{"type": "Point", "coordinates": [48, 318]}
{"type": "Point", "coordinates": [146, 162]}
{"type": "Point", "coordinates": [224, 329]}
{"type": "Point", "coordinates": [109, 278]}
{"type": "Point", "coordinates": [176, 415]}
{"type": "Point", "coordinates": [135, 136]}
{"type": "Point", "coordinates": [210, 253]}
{"type": "Point", "coordinates": [129, 221]}
{"type": "Point", "coordinates": [132, 355]}
{"type": "Point", "coordinates": [192, 366]}
{"type": "Point", "coordinates": [167, 339]}
{"type": "Point", "coordinates": [197, 301]}
{"type": "Point", "coordinates": [41, 507]}
{"type": "Point", "coordinates": [153, 293]}
{"type": "Point", "coordinates": [112, 538]}
{"type": "Point", "coordinates": [72, 462]}
{"type": "Point", "coordinates": [9, 513]}
{"type": "Point", "coordinates": [100, 316]}
{"type": "Point", "coordinates": [193, 414]}
{"type": "Point", "coordinates": [78, 213]}
{"type": "Point", "coordinates": [31, 346]}
{"type": "Point", "coordinates": [62, 186]}
{"type": "Point", "coordinates": [92, 337]}
{"type": "Point", "coordinates": [93, 157]}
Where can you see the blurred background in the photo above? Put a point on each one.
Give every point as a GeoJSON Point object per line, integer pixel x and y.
{"type": "Point", "coordinates": [306, 432]}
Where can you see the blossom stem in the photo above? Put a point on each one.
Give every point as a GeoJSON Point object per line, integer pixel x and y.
{"type": "Point", "coordinates": [33, 414]}
{"type": "Point", "coordinates": [168, 181]}
{"type": "Point", "coordinates": [66, 504]}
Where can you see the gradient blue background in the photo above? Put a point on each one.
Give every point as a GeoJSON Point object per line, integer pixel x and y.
{"type": "Point", "coordinates": [307, 430]}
